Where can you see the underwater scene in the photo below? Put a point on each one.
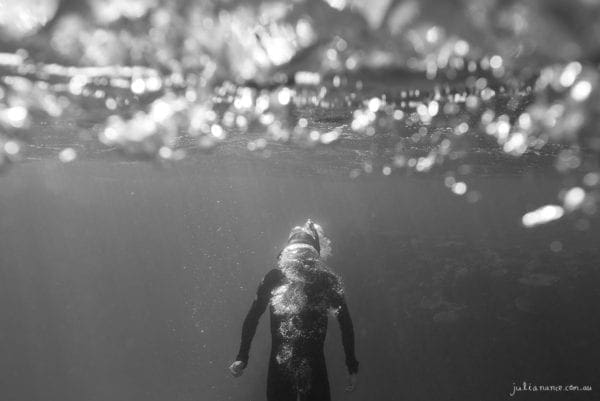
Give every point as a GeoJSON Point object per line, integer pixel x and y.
{"type": "Point", "coordinates": [411, 188]}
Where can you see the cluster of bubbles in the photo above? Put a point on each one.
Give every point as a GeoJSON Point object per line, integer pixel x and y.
{"type": "Point", "coordinates": [20, 100]}
{"type": "Point", "coordinates": [565, 110]}
{"type": "Point", "coordinates": [561, 107]}
{"type": "Point", "coordinates": [302, 267]}
{"type": "Point", "coordinates": [162, 77]}
{"type": "Point", "coordinates": [309, 287]}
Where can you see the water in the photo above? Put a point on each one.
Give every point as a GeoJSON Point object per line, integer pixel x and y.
{"type": "Point", "coordinates": [127, 281]}
{"type": "Point", "coordinates": [154, 157]}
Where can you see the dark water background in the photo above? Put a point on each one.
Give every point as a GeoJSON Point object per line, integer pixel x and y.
{"type": "Point", "coordinates": [124, 281]}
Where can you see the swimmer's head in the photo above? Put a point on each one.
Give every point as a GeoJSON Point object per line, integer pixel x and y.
{"type": "Point", "coordinates": [311, 234]}
{"type": "Point", "coordinates": [306, 234]}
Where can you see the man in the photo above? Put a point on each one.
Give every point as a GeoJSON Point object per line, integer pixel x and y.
{"type": "Point", "coordinates": [301, 292]}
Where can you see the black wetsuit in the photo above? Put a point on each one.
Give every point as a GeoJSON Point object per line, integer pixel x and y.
{"type": "Point", "coordinates": [297, 368]}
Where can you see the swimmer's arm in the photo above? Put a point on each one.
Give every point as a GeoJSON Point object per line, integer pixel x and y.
{"type": "Point", "coordinates": [259, 305]}
{"type": "Point", "coordinates": [347, 329]}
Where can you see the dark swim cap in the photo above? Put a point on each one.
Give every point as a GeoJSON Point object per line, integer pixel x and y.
{"type": "Point", "coordinates": [306, 234]}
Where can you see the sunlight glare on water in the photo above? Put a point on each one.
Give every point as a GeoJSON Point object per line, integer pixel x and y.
{"type": "Point", "coordinates": [199, 80]}
{"type": "Point", "coordinates": [154, 153]}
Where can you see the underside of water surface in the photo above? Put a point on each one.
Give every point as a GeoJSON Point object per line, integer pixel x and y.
{"type": "Point", "coordinates": [154, 155]}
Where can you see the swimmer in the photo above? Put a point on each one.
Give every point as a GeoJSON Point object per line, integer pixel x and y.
{"type": "Point", "coordinates": [301, 292]}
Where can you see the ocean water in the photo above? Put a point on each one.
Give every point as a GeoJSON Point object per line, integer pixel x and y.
{"type": "Point", "coordinates": [154, 155]}
{"type": "Point", "coordinates": [130, 281]}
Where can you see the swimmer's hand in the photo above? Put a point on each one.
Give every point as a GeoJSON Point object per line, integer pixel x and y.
{"type": "Point", "coordinates": [352, 380]}
{"type": "Point", "coordinates": [237, 368]}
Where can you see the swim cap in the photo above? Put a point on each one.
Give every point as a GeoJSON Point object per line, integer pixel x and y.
{"type": "Point", "coordinates": [306, 234]}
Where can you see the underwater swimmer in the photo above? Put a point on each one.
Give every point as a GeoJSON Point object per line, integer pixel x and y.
{"type": "Point", "coordinates": [301, 292]}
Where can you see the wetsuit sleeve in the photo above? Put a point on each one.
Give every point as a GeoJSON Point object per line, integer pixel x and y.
{"type": "Point", "coordinates": [347, 329]}
{"type": "Point", "coordinates": [263, 296]}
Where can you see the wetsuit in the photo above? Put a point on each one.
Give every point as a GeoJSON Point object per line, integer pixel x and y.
{"type": "Point", "coordinates": [297, 368]}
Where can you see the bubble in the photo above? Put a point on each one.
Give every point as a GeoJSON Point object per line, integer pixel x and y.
{"type": "Point", "coordinates": [351, 63]}
{"type": "Point", "coordinates": [177, 154]}
{"type": "Point", "coordinates": [487, 94]}
{"type": "Point", "coordinates": [138, 86]}
{"type": "Point", "coordinates": [77, 83]}
{"type": "Point", "coordinates": [461, 48]}
{"type": "Point", "coordinates": [162, 110]}
{"type": "Point", "coordinates": [569, 74]}
{"type": "Point", "coordinates": [422, 110]}
{"type": "Point", "coordinates": [217, 131]}
{"type": "Point", "coordinates": [425, 163]}
{"type": "Point", "coordinates": [433, 34]}
{"type": "Point", "coordinates": [525, 121]}
{"type": "Point", "coordinates": [503, 128]}
{"type": "Point", "coordinates": [67, 155]}
{"type": "Point", "coordinates": [591, 179]}
{"type": "Point", "coordinates": [243, 100]}
{"type": "Point", "coordinates": [433, 108]}
{"type": "Point", "coordinates": [362, 119]}
{"type": "Point", "coordinates": [331, 54]}
{"type": "Point", "coordinates": [15, 117]}
{"type": "Point", "coordinates": [12, 148]}
{"type": "Point", "coordinates": [374, 104]}
{"type": "Point", "coordinates": [241, 121]}
{"type": "Point", "coordinates": [574, 198]}
{"type": "Point", "coordinates": [472, 102]}
{"type": "Point", "coordinates": [581, 91]}
{"type": "Point", "coordinates": [516, 144]}
{"type": "Point", "coordinates": [153, 83]}
{"type": "Point", "coordinates": [543, 215]}
{"type": "Point", "coordinates": [305, 32]}
{"type": "Point", "coordinates": [262, 104]}
{"type": "Point", "coordinates": [449, 181]}
{"type": "Point", "coordinates": [461, 128]}
{"type": "Point", "coordinates": [267, 119]}
{"type": "Point", "coordinates": [284, 96]}
{"type": "Point", "coordinates": [496, 62]}
{"type": "Point", "coordinates": [459, 188]}
{"type": "Point", "coordinates": [337, 4]}
{"type": "Point", "coordinates": [111, 103]}
{"type": "Point", "coordinates": [329, 137]}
